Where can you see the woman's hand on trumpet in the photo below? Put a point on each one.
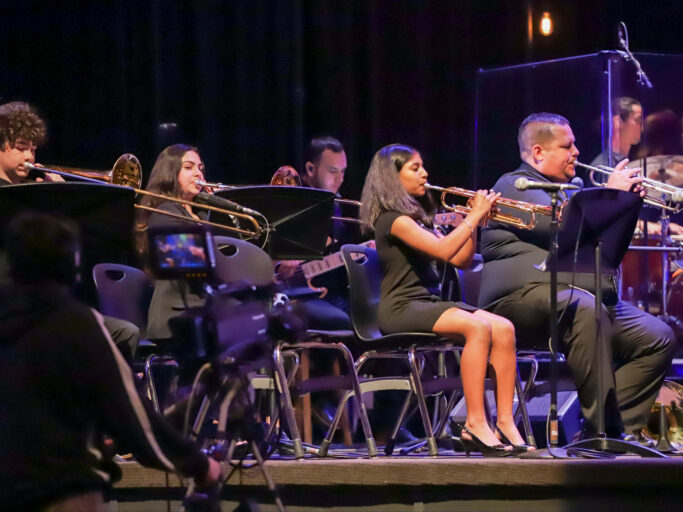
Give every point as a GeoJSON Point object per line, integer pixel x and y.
{"type": "Point", "coordinates": [482, 204]}
{"type": "Point", "coordinates": [627, 179]}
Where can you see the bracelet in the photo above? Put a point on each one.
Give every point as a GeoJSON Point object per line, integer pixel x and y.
{"type": "Point", "coordinates": [469, 226]}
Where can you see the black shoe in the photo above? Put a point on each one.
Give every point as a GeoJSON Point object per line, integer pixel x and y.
{"type": "Point", "coordinates": [477, 445]}
{"type": "Point", "coordinates": [516, 448]}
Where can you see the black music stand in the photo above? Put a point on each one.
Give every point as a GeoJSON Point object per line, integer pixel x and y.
{"type": "Point", "coordinates": [597, 227]}
{"type": "Point", "coordinates": [104, 214]}
{"type": "Point", "coordinates": [299, 218]}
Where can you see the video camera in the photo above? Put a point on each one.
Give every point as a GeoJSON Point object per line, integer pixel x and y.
{"type": "Point", "coordinates": [236, 319]}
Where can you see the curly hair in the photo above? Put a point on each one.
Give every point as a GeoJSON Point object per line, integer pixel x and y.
{"type": "Point", "coordinates": [383, 190]}
{"type": "Point", "coordinates": [18, 120]}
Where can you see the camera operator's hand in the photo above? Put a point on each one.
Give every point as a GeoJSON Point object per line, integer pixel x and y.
{"type": "Point", "coordinates": [213, 474]}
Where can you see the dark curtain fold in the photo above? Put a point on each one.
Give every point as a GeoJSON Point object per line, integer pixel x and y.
{"type": "Point", "coordinates": [249, 81]}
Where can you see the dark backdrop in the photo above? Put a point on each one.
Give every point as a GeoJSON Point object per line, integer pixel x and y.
{"type": "Point", "coordinates": [248, 81]}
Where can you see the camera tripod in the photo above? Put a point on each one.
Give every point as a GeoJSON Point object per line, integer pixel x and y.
{"type": "Point", "coordinates": [230, 393]}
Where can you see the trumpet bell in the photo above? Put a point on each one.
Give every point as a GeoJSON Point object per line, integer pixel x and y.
{"type": "Point", "coordinates": [127, 171]}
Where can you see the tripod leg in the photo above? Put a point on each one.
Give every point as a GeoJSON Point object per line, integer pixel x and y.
{"type": "Point", "coordinates": [266, 476]}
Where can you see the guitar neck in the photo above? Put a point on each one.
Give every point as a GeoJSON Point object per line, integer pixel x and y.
{"type": "Point", "coordinates": [315, 268]}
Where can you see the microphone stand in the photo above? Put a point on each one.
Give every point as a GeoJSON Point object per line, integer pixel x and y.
{"type": "Point", "coordinates": [553, 451]}
{"type": "Point", "coordinates": [627, 55]}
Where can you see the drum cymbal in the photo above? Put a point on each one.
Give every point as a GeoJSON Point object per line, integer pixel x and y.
{"type": "Point", "coordinates": [664, 168]}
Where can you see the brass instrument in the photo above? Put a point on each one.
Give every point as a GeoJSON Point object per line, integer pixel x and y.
{"type": "Point", "coordinates": [530, 208]}
{"type": "Point", "coordinates": [286, 176]}
{"type": "Point", "coordinates": [215, 186]}
{"type": "Point", "coordinates": [127, 172]}
{"type": "Point", "coordinates": [675, 193]}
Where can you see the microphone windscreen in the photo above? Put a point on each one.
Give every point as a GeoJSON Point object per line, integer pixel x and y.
{"type": "Point", "coordinates": [577, 182]}
{"type": "Point", "coordinates": [521, 183]}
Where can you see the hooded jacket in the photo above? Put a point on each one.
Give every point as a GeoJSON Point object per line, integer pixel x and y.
{"type": "Point", "coordinates": [63, 387]}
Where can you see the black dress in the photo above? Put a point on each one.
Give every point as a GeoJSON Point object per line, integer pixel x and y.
{"type": "Point", "coordinates": [409, 299]}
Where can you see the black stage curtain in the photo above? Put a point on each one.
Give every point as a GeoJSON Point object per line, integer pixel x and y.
{"type": "Point", "coordinates": [249, 81]}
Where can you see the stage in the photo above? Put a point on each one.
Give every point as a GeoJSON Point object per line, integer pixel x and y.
{"type": "Point", "coordinates": [421, 483]}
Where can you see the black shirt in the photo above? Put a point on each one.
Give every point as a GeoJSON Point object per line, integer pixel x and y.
{"type": "Point", "coordinates": [510, 254]}
{"type": "Point", "coordinates": [407, 274]}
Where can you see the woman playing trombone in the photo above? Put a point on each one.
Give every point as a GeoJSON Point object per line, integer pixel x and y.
{"type": "Point", "coordinates": [175, 175]}
{"type": "Point", "coordinates": [395, 204]}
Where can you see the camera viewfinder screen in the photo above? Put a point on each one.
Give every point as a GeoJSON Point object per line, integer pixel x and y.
{"type": "Point", "coordinates": [181, 251]}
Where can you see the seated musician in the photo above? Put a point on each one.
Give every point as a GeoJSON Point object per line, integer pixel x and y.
{"type": "Point", "coordinates": [65, 386]}
{"type": "Point", "coordinates": [627, 127]}
{"type": "Point", "coordinates": [21, 132]}
{"type": "Point", "coordinates": [637, 344]}
{"type": "Point", "coordinates": [324, 169]}
{"type": "Point", "coordinates": [175, 173]}
{"type": "Point", "coordinates": [395, 204]}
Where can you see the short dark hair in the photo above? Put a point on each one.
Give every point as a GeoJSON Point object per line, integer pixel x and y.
{"type": "Point", "coordinates": [537, 129]}
{"type": "Point", "coordinates": [383, 190]}
{"type": "Point", "coordinates": [623, 106]}
{"type": "Point", "coordinates": [18, 120]}
{"type": "Point", "coordinates": [319, 144]}
{"type": "Point", "coordinates": [42, 248]}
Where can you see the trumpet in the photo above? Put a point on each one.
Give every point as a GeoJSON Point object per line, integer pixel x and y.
{"type": "Point", "coordinates": [495, 215]}
{"type": "Point", "coordinates": [675, 193]}
{"type": "Point", "coordinates": [127, 172]}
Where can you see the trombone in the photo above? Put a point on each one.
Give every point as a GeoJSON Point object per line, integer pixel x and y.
{"type": "Point", "coordinates": [675, 193]}
{"type": "Point", "coordinates": [495, 215]}
{"type": "Point", "coordinates": [127, 172]}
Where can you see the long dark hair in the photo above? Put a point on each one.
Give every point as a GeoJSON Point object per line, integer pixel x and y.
{"type": "Point", "coordinates": [164, 176]}
{"type": "Point", "coordinates": [383, 190]}
{"type": "Point", "coordinates": [162, 180]}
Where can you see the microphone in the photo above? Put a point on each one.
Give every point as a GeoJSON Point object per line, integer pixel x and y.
{"type": "Point", "coordinates": [525, 184]}
{"type": "Point", "coordinates": [220, 202]}
{"type": "Point", "coordinates": [577, 181]}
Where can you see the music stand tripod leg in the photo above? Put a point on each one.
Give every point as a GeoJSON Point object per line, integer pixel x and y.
{"type": "Point", "coordinates": [601, 442]}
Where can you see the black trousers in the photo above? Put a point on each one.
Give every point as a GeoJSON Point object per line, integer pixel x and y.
{"type": "Point", "coordinates": [637, 351]}
{"type": "Point", "coordinates": [125, 335]}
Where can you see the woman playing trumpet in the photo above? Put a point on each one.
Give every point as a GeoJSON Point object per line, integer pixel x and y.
{"type": "Point", "coordinates": [396, 206]}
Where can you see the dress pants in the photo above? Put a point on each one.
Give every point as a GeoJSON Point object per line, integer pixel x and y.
{"type": "Point", "coordinates": [637, 350]}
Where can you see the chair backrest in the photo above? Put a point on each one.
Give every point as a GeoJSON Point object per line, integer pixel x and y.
{"type": "Point", "coordinates": [241, 261]}
{"type": "Point", "coordinates": [365, 278]}
{"type": "Point", "coordinates": [470, 281]}
{"type": "Point", "coordinates": [123, 292]}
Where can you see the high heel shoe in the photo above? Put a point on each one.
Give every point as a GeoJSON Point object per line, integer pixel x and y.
{"type": "Point", "coordinates": [477, 445]}
{"type": "Point", "coordinates": [516, 448]}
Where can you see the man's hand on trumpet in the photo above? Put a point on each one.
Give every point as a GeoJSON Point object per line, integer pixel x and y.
{"type": "Point", "coordinates": [627, 179]}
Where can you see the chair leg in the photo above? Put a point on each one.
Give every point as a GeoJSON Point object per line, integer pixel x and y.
{"type": "Point", "coordinates": [521, 406]}
{"type": "Point", "coordinates": [415, 375]}
{"type": "Point", "coordinates": [286, 401]}
{"type": "Point", "coordinates": [360, 404]}
{"type": "Point", "coordinates": [391, 442]}
{"type": "Point", "coordinates": [329, 435]}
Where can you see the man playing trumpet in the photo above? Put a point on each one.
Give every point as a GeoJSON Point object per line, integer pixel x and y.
{"type": "Point", "coordinates": [637, 344]}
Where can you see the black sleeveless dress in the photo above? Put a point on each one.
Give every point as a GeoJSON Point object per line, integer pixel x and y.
{"type": "Point", "coordinates": [409, 299]}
